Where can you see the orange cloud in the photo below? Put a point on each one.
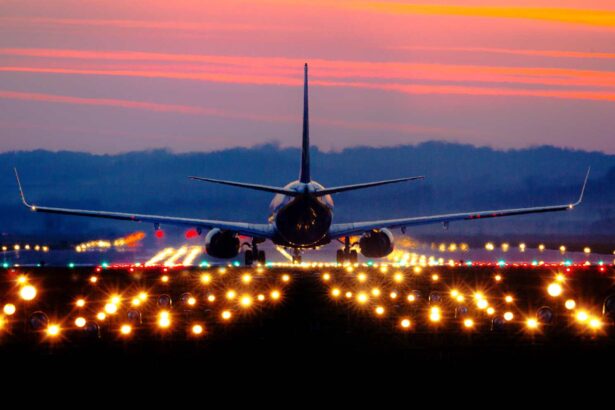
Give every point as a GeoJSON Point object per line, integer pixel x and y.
{"type": "Point", "coordinates": [597, 18]}
{"type": "Point", "coordinates": [388, 76]}
{"type": "Point", "coordinates": [515, 51]}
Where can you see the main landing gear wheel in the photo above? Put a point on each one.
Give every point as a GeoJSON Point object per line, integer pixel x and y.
{"type": "Point", "coordinates": [254, 255]}
{"type": "Point", "coordinates": [346, 254]}
{"type": "Point", "coordinates": [297, 256]}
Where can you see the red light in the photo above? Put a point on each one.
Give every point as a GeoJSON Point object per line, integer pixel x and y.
{"type": "Point", "coordinates": [191, 233]}
{"type": "Point", "coordinates": [159, 233]}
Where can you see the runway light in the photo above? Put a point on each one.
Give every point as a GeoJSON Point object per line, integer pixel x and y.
{"type": "Point", "coordinates": [398, 277]}
{"type": "Point", "coordinates": [164, 279]}
{"type": "Point", "coordinates": [554, 289]}
{"type": "Point", "coordinates": [111, 308]}
{"type": "Point", "coordinates": [362, 298]}
{"type": "Point", "coordinates": [560, 278]}
{"type": "Point", "coordinates": [595, 323]}
{"type": "Point", "coordinates": [326, 277]}
{"type": "Point", "coordinates": [348, 295]}
{"type": "Point", "coordinates": [135, 302]}
{"type": "Point", "coordinates": [468, 323]}
{"type": "Point", "coordinates": [361, 277]}
{"type": "Point", "coordinates": [260, 297]}
{"type": "Point", "coordinates": [53, 330]}
{"type": "Point", "coordinates": [197, 330]}
{"type": "Point", "coordinates": [164, 319]}
{"type": "Point", "coordinates": [93, 279]}
{"type": "Point", "coordinates": [454, 293]}
{"type": "Point", "coordinates": [335, 292]}
{"type": "Point", "coordinates": [285, 278]}
{"type": "Point", "coordinates": [211, 298]}
{"type": "Point", "coordinates": [80, 303]}
{"type": "Point", "coordinates": [435, 315]}
{"type": "Point", "coordinates": [27, 292]}
{"type": "Point", "coordinates": [570, 304]}
{"type": "Point", "coordinates": [206, 278]}
{"type": "Point", "coordinates": [482, 304]}
{"type": "Point", "coordinates": [379, 310]}
{"type": "Point", "coordinates": [246, 301]}
{"type": "Point", "coordinates": [226, 315]}
{"type": "Point", "coordinates": [231, 294]}
{"type": "Point", "coordinates": [375, 292]}
{"type": "Point", "coordinates": [508, 316]}
{"type": "Point", "coordinates": [275, 295]}
{"type": "Point", "coordinates": [22, 279]}
{"type": "Point", "coordinates": [126, 330]}
{"type": "Point", "coordinates": [460, 298]}
{"type": "Point", "coordinates": [191, 301]}
{"type": "Point", "coordinates": [101, 316]}
{"type": "Point", "coordinates": [9, 309]}
{"type": "Point", "coordinates": [490, 311]}
{"type": "Point", "coordinates": [115, 299]}
{"type": "Point", "coordinates": [582, 316]}
{"type": "Point", "coordinates": [435, 277]}
{"type": "Point", "coordinates": [405, 323]}
{"type": "Point", "coordinates": [411, 298]}
{"type": "Point", "coordinates": [498, 278]}
{"type": "Point", "coordinates": [80, 322]}
{"type": "Point", "coordinates": [246, 278]}
{"type": "Point", "coordinates": [531, 324]}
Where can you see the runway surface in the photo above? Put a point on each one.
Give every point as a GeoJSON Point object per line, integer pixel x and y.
{"type": "Point", "coordinates": [221, 314]}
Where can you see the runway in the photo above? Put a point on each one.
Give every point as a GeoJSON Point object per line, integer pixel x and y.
{"type": "Point", "coordinates": [369, 311]}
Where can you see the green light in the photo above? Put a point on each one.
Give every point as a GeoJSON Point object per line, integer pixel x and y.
{"type": "Point", "coordinates": [501, 263]}
{"type": "Point", "coordinates": [269, 264]}
{"type": "Point", "coordinates": [534, 263]}
{"type": "Point", "coordinates": [370, 263]}
{"type": "Point", "coordinates": [105, 265]}
{"type": "Point", "coordinates": [568, 262]}
{"type": "Point", "coordinates": [469, 263]}
{"type": "Point", "coordinates": [600, 263]}
{"type": "Point", "coordinates": [71, 265]}
{"type": "Point", "coordinates": [236, 263]}
{"type": "Point", "coordinates": [5, 265]}
{"type": "Point", "coordinates": [204, 264]}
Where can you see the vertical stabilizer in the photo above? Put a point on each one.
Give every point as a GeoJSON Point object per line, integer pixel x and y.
{"type": "Point", "coordinates": [304, 175]}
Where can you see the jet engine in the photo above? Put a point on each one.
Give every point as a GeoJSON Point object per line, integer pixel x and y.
{"type": "Point", "coordinates": [376, 243]}
{"type": "Point", "coordinates": [222, 244]}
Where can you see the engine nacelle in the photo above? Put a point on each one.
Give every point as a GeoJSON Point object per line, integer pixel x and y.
{"type": "Point", "coordinates": [222, 244]}
{"type": "Point", "coordinates": [376, 244]}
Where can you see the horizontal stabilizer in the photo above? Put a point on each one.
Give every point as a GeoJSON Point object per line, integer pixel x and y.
{"type": "Point", "coordinates": [256, 187]}
{"type": "Point", "coordinates": [343, 188]}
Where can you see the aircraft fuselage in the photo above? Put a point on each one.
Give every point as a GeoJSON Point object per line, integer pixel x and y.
{"type": "Point", "coordinates": [302, 221]}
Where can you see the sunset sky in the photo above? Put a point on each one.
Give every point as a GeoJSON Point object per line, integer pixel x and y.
{"type": "Point", "coordinates": [110, 76]}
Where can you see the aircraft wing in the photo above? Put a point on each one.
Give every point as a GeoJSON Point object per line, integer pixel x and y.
{"type": "Point", "coordinates": [356, 228]}
{"type": "Point", "coordinates": [242, 228]}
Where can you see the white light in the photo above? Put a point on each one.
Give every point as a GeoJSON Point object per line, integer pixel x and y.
{"type": "Point", "coordinates": [570, 304]}
{"type": "Point", "coordinates": [554, 289]}
{"type": "Point", "coordinates": [80, 322]}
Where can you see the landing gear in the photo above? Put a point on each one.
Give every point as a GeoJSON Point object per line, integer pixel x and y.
{"type": "Point", "coordinates": [254, 255]}
{"type": "Point", "coordinates": [347, 254]}
{"type": "Point", "coordinates": [297, 256]}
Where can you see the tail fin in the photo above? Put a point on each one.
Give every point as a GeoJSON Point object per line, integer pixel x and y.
{"type": "Point", "coordinates": [304, 175]}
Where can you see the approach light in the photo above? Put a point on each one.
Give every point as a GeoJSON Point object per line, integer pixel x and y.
{"type": "Point", "coordinates": [115, 299]}
{"type": "Point", "coordinates": [435, 277]}
{"type": "Point", "coordinates": [206, 278]}
{"type": "Point", "coordinates": [111, 308]}
{"type": "Point", "coordinates": [482, 304]}
{"type": "Point", "coordinates": [245, 301]}
{"type": "Point", "coordinates": [393, 295]}
{"type": "Point", "coordinates": [211, 298]}
{"type": "Point", "coordinates": [246, 278]}
{"type": "Point", "coordinates": [570, 304]}
{"type": "Point", "coordinates": [9, 309]}
{"type": "Point", "coordinates": [164, 319]}
{"type": "Point", "coordinates": [362, 298]}
{"type": "Point", "coordinates": [93, 279]}
{"type": "Point", "coordinates": [531, 324]}
{"type": "Point", "coordinates": [375, 292]}
{"type": "Point", "coordinates": [595, 323]}
{"type": "Point", "coordinates": [498, 278]}
{"type": "Point", "coordinates": [226, 315]}
{"type": "Point", "coordinates": [554, 289]}
{"type": "Point", "coordinates": [135, 302]}
{"type": "Point", "coordinates": [468, 323]}
{"type": "Point", "coordinates": [126, 329]}
{"type": "Point", "coordinates": [101, 316]}
{"type": "Point", "coordinates": [508, 316]}
{"type": "Point", "coordinates": [326, 277]}
{"type": "Point", "coordinates": [379, 310]}
{"type": "Point", "coordinates": [27, 292]}
{"type": "Point", "coordinates": [80, 322]}
{"type": "Point", "coordinates": [361, 277]}
{"type": "Point", "coordinates": [231, 294]}
{"type": "Point", "coordinates": [398, 277]}
{"type": "Point", "coordinates": [285, 278]}
{"type": "Point", "coordinates": [435, 314]}
{"type": "Point", "coordinates": [508, 299]}
{"type": "Point", "coordinates": [164, 279]}
{"type": "Point", "coordinates": [335, 292]}
{"type": "Point", "coordinates": [275, 295]}
{"type": "Point", "coordinates": [490, 311]}
{"type": "Point", "coordinates": [582, 316]}
{"type": "Point", "coordinates": [454, 293]}
{"type": "Point", "coordinates": [80, 303]}
{"type": "Point", "coordinates": [53, 330]}
{"type": "Point", "coordinates": [260, 297]}
{"type": "Point", "coordinates": [197, 329]}
{"type": "Point", "coordinates": [191, 301]}
{"type": "Point", "coordinates": [411, 298]}
{"type": "Point", "coordinates": [405, 323]}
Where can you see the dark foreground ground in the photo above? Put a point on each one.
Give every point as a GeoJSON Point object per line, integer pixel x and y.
{"type": "Point", "coordinates": [301, 322]}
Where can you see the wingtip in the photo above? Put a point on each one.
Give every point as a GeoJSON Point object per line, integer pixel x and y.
{"type": "Point", "coordinates": [582, 188]}
{"type": "Point", "coordinates": [21, 193]}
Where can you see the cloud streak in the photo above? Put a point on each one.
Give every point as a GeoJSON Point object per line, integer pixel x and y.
{"type": "Point", "coordinates": [584, 17]}
{"type": "Point", "coordinates": [409, 78]}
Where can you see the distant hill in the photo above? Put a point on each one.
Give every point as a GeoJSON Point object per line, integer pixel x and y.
{"type": "Point", "coordinates": [458, 178]}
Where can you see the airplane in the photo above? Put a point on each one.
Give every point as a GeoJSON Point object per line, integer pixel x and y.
{"type": "Point", "coordinates": [301, 216]}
